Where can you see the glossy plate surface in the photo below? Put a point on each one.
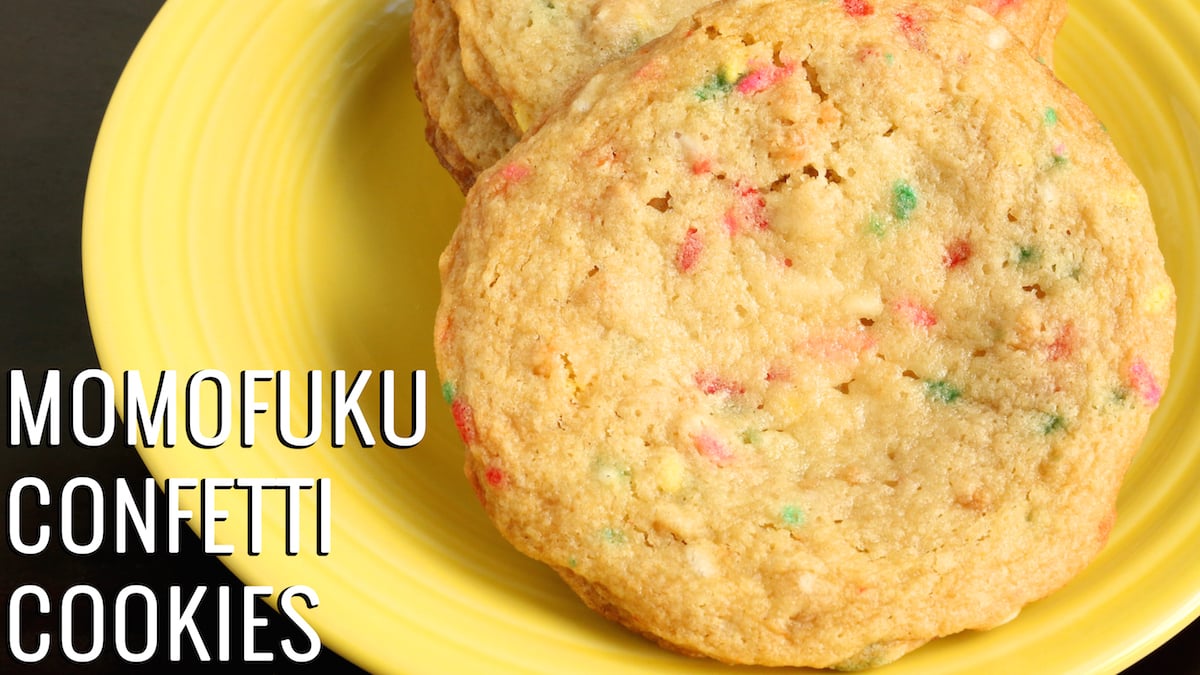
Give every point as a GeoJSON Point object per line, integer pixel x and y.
{"type": "Point", "coordinates": [261, 197]}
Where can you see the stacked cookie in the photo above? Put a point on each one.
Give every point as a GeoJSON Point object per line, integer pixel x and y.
{"type": "Point", "coordinates": [801, 335]}
{"type": "Point", "coordinates": [487, 72]}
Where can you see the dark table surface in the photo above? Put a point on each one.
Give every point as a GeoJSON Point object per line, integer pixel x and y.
{"type": "Point", "coordinates": [59, 62]}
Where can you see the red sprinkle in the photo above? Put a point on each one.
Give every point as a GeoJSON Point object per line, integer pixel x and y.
{"type": "Point", "coordinates": [731, 221]}
{"type": "Point", "coordinates": [650, 71]}
{"type": "Point", "coordinates": [464, 419]}
{"type": "Point", "coordinates": [715, 384]}
{"type": "Point", "coordinates": [867, 52]}
{"type": "Point", "coordinates": [689, 250]}
{"type": "Point", "coordinates": [839, 344]}
{"type": "Point", "coordinates": [447, 330]}
{"type": "Point", "coordinates": [750, 209]}
{"type": "Point", "coordinates": [912, 30]}
{"type": "Point", "coordinates": [510, 174]}
{"type": "Point", "coordinates": [1063, 345]}
{"type": "Point", "coordinates": [514, 172]}
{"type": "Point", "coordinates": [763, 77]}
{"type": "Point", "coordinates": [1143, 381]}
{"type": "Point", "coordinates": [957, 253]}
{"type": "Point", "coordinates": [858, 7]}
{"type": "Point", "coordinates": [994, 7]}
{"type": "Point", "coordinates": [495, 477]}
{"type": "Point", "coordinates": [916, 313]}
{"type": "Point", "coordinates": [701, 166]}
{"type": "Point", "coordinates": [712, 447]}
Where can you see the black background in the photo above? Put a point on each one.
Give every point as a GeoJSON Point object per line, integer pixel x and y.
{"type": "Point", "coordinates": [59, 62]}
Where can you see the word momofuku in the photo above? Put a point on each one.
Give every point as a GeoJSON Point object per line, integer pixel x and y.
{"type": "Point", "coordinates": [208, 409]}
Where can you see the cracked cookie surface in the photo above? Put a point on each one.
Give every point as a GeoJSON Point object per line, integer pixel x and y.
{"type": "Point", "coordinates": [806, 334]}
{"type": "Point", "coordinates": [525, 56]}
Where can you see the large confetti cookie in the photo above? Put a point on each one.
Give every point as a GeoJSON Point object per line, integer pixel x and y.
{"type": "Point", "coordinates": [809, 333]}
{"type": "Point", "coordinates": [488, 82]}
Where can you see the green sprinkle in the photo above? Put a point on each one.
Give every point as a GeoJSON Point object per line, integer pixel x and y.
{"type": "Point", "coordinates": [1120, 395]}
{"type": "Point", "coordinates": [889, 58]}
{"type": "Point", "coordinates": [1060, 161]}
{"type": "Point", "coordinates": [717, 85]}
{"type": "Point", "coordinates": [1051, 423]}
{"type": "Point", "coordinates": [904, 200]}
{"type": "Point", "coordinates": [793, 515]}
{"type": "Point", "coordinates": [1027, 254]}
{"type": "Point", "coordinates": [1041, 60]}
{"type": "Point", "coordinates": [942, 391]}
{"type": "Point", "coordinates": [572, 561]}
{"type": "Point", "coordinates": [877, 225]}
{"type": "Point", "coordinates": [752, 436]}
{"type": "Point", "coordinates": [610, 472]}
{"type": "Point", "coordinates": [612, 535]}
{"type": "Point", "coordinates": [449, 391]}
{"type": "Point", "coordinates": [873, 655]}
{"type": "Point", "coordinates": [1051, 117]}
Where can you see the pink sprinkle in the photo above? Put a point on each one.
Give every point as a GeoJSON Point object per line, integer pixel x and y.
{"type": "Point", "coordinates": [731, 221]}
{"type": "Point", "coordinates": [957, 253]}
{"type": "Point", "coordinates": [1060, 149]}
{"type": "Point", "coordinates": [1143, 381]}
{"type": "Point", "coordinates": [514, 172]}
{"type": "Point", "coordinates": [839, 344]}
{"type": "Point", "coordinates": [858, 7]}
{"type": "Point", "coordinates": [447, 330]}
{"type": "Point", "coordinates": [712, 447]}
{"type": "Point", "coordinates": [994, 7]}
{"type": "Point", "coordinates": [916, 313]}
{"type": "Point", "coordinates": [1064, 344]}
{"type": "Point", "coordinates": [650, 71]}
{"type": "Point", "coordinates": [689, 250]}
{"type": "Point", "coordinates": [715, 384]}
{"type": "Point", "coordinates": [779, 374]}
{"type": "Point", "coordinates": [912, 30]}
{"type": "Point", "coordinates": [867, 52]}
{"type": "Point", "coordinates": [763, 77]}
{"type": "Point", "coordinates": [464, 419]}
{"type": "Point", "coordinates": [495, 477]}
{"type": "Point", "coordinates": [750, 210]}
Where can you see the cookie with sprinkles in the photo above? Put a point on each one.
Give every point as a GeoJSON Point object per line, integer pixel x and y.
{"type": "Point", "coordinates": [806, 334]}
{"type": "Point", "coordinates": [527, 55]}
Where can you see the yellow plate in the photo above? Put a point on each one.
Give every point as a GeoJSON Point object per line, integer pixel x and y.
{"type": "Point", "coordinates": [261, 197]}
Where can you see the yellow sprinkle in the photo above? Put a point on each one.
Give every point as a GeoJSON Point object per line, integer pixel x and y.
{"type": "Point", "coordinates": [522, 115]}
{"type": "Point", "coordinates": [1014, 156]}
{"type": "Point", "coordinates": [644, 24]}
{"type": "Point", "coordinates": [733, 68]}
{"type": "Point", "coordinates": [1129, 198]}
{"type": "Point", "coordinates": [670, 474]}
{"type": "Point", "coordinates": [1159, 299]}
{"type": "Point", "coordinates": [790, 407]}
